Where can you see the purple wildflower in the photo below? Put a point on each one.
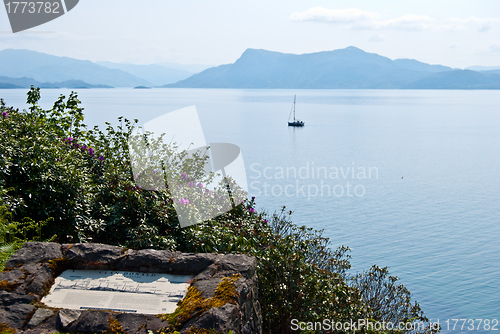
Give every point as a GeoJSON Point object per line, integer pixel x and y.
{"type": "Point", "coordinates": [251, 209]}
{"type": "Point", "coordinates": [184, 201]}
{"type": "Point", "coordinates": [91, 151]}
{"type": "Point", "coordinates": [266, 221]}
{"type": "Point", "coordinates": [4, 114]}
{"type": "Point", "coordinates": [200, 185]}
{"type": "Point", "coordinates": [190, 184]}
{"type": "Point", "coordinates": [101, 157]}
{"type": "Point", "coordinates": [183, 175]}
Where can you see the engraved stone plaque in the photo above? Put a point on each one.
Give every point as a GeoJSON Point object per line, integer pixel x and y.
{"type": "Point", "coordinates": [121, 291]}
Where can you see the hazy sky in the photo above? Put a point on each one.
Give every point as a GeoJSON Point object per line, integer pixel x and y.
{"type": "Point", "coordinates": [456, 33]}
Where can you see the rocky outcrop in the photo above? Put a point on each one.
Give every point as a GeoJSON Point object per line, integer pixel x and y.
{"type": "Point", "coordinates": [31, 271]}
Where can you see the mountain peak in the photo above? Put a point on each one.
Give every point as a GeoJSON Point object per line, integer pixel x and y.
{"type": "Point", "coordinates": [353, 48]}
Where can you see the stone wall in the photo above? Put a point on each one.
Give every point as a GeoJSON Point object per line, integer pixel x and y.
{"type": "Point", "coordinates": [30, 272]}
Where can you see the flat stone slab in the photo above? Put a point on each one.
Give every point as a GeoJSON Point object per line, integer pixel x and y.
{"type": "Point", "coordinates": [120, 291]}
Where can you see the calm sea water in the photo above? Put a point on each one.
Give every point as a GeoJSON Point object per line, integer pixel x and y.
{"type": "Point", "coordinates": [407, 179]}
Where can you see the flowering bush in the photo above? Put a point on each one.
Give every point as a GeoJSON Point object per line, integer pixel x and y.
{"type": "Point", "coordinates": [68, 183]}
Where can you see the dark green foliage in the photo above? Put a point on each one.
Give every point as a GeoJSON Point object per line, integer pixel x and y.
{"type": "Point", "coordinates": [54, 167]}
{"type": "Point", "coordinates": [68, 183]}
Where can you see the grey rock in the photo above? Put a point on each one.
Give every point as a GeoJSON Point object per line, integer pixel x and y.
{"type": "Point", "coordinates": [155, 323]}
{"type": "Point", "coordinates": [16, 315]}
{"type": "Point", "coordinates": [131, 323]}
{"type": "Point", "coordinates": [221, 319]}
{"type": "Point", "coordinates": [33, 252]}
{"type": "Point", "coordinates": [42, 273]}
{"type": "Point", "coordinates": [33, 275]}
{"type": "Point", "coordinates": [93, 256]}
{"type": "Point", "coordinates": [67, 317]}
{"type": "Point", "coordinates": [12, 298]}
{"type": "Point", "coordinates": [45, 327]}
{"type": "Point", "coordinates": [40, 315]}
{"type": "Point", "coordinates": [91, 322]}
{"type": "Point", "coordinates": [207, 286]}
{"type": "Point", "coordinates": [187, 263]}
{"type": "Point", "coordinates": [244, 264]}
{"type": "Point", "coordinates": [15, 276]}
{"type": "Point", "coordinates": [150, 260]}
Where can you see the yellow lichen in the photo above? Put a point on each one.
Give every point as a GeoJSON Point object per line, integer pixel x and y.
{"type": "Point", "coordinates": [7, 286]}
{"type": "Point", "coordinates": [59, 265]}
{"type": "Point", "coordinates": [194, 304]}
{"type": "Point", "coordinates": [5, 329]}
{"type": "Point", "coordinates": [115, 327]}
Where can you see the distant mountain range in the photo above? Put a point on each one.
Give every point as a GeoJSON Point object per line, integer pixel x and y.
{"type": "Point", "coordinates": [157, 75]}
{"type": "Point", "coordinates": [26, 67]}
{"type": "Point", "coordinates": [350, 68]}
{"type": "Point", "coordinates": [6, 82]}
{"type": "Point", "coordinates": [345, 68]}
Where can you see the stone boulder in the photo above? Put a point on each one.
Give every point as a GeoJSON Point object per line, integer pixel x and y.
{"type": "Point", "coordinates": [31, 271]}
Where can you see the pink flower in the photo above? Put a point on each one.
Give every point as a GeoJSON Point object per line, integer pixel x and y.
{"type": "Point", "coordinates": [184, 201]}
{"type": "Point", "coordinates": [200, 185]}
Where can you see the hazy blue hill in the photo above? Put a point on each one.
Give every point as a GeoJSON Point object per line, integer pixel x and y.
{"type": "Point", "coordinates": [344, 68]}
{"type": "Point", "coordinates": [416, 65]}
{"type": "Point", "coordinates": [483, 68]}
{"type": "Point", "coordinates": [458, 79]}
{"type": "Point", "coordinates": [4, 85]}
{"type": "Point", "coordinates": [192, 68]}
{"type": "Point", "coordinates": [156, 74]}
{"type": "Point", "coordinates": [47, 68]}
{"type": "Point", "coordinates": [491, 71]}
{"type": "Point", "coordinates": [7, 82]}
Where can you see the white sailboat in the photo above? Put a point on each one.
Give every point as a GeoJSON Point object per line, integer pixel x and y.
{"type": "Point", "coordinates": [295, 122]}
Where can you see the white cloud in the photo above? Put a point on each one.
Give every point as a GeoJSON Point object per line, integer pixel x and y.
{"type": "Point", "coordinates": [478, 23]}
{"type": "Point", "coordinates": [494, 47]}
{"type": "Point", "coordinates": [377, 38]}
{"type": "Point", "coordinates": [406, 22]}
{"type": "Point", "coordinates": [453, 46]}
{"type": "Point", "coordinates": [358, 19]}
{"type": "Point", "coordinates": [320, 14]}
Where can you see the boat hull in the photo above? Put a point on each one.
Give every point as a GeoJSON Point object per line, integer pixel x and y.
{"type": "Point", "coordinates": [295, 123]}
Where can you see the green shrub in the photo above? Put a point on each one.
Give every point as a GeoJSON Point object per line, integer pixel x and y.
{"type": "Point", "coordinates": [79, 184]}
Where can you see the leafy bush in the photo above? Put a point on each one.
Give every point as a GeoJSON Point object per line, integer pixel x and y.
{"type": "Point", "coordinates": [80, 184]}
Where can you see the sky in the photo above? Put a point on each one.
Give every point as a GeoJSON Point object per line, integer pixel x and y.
{"type": "Point", "coordinates": [457, 33]}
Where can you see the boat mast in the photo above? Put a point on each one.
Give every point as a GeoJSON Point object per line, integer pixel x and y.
{"type": "Point", "coordinates": [294, 107]}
